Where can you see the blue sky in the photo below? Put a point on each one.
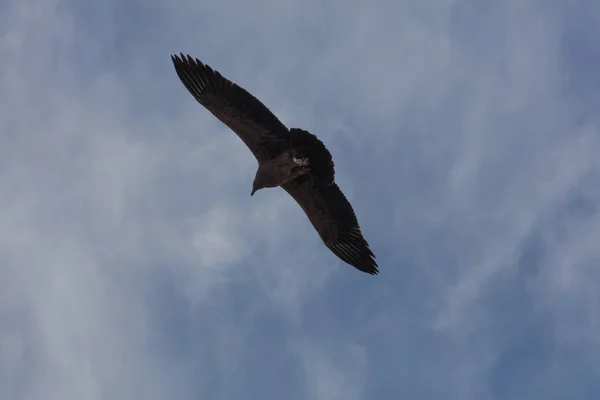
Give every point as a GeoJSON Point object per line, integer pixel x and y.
{"type": "Point", "coordinates": [135, 264]}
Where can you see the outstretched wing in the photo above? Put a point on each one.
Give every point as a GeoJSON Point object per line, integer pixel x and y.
{"type": "Point", "coordinates": [333, 217]}
{"type": "Point", "coordinates": [247, 116]}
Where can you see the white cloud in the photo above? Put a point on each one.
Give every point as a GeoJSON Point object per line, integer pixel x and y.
{"type": "Point", "coordinates": [332, 369]}
{"type": "Point", "coordinates": [134, 262]}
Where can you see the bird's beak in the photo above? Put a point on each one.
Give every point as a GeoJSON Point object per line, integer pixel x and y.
{"type": "Point", "coordinates": [252, 193]}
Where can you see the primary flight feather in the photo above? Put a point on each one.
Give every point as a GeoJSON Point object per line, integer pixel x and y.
{"type": "Point", "coordinates": [291, 158]}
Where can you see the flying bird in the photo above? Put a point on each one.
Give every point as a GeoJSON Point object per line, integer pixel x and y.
{"type": "Point", "coordinates": [293, 159]}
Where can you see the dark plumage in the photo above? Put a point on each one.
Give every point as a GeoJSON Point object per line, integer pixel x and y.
{"type": "Point", "coordinates": [292, 158]}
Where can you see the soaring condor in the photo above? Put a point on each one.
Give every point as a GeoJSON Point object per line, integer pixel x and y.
{"type": "Point", "coordinates": [291, 158]}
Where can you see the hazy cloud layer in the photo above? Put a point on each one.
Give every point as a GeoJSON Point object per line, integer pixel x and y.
{"type": "Point", "coordinates": [135, 264]}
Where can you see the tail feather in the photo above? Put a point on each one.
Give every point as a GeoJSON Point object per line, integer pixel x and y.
{"type": "Point", "coordinates": [320, 160]}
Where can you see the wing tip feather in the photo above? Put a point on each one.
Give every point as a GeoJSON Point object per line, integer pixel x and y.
{"type": "Point", "coordinates": [359, 255]}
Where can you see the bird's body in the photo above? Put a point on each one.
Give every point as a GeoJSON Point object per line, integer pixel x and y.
{"type": "Point", "coordinates": [281, 169]}
{"type": "Point", "coordinates": [291, 158]}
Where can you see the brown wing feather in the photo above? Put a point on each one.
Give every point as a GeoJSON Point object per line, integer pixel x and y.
{"type": "Point", "coordinates": [333, 217]}
{"type": "Point", "coordinates": [247, 116]}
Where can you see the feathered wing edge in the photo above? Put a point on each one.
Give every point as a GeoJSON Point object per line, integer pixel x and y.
{"type": "Point", "coordinates": [243, 113]}
{"type": "Point", "coordinates": [198, 78]}
{"type": "Point", "coordinates": [349, 244]}
{"type": "Point", "coordinates": [334, 219]}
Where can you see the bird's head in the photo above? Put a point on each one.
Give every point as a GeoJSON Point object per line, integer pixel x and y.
{"type": "Point", "coordinates": [263, 179]}
{"type": "Point", "coordinates": [254, 188]}
{"type": "Point", "coordinates": [258, 183]}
